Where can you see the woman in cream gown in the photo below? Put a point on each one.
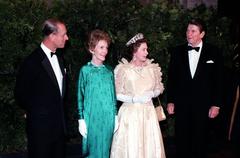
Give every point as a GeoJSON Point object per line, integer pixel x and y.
{"type": "Point", "coordinates": [137, 82]}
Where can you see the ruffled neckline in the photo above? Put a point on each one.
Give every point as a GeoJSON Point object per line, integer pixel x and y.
{"type": "Point", "coordinates": [148, 63]}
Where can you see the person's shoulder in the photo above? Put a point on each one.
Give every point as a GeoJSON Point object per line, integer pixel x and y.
{"type": "Point", "coordinates": [33, 57]}
{"type": "Point", "coordinates": [86, 66]}
{"type": "Point", "coordinates": [122, 65]}
{"type": "Point", "coordinates": [180, 46]}
{"type": "Point", "coordinates": [150, 63]}
{"type": "Point", "coordinates": [109, 67]}
{"type": "Point", "coordinates": [177, 48]}
{"type": "Point", "coordinates": [210, 45]}
{"type": "Point", "coordinates": [212, 49]}
{"type": "Point", "coordinates": [32, 62]}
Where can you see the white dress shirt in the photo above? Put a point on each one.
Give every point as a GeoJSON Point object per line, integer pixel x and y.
{"type": "Point", "coordinates": [193, 57]}
{"type": "Point", "coordinates": [55, 65]}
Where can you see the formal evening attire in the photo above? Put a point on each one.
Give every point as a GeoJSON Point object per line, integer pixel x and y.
{"type": "Point", "coordinates": [97, 106]}
{"type": "Point", "coordinates": [40, 90]}
{"type": "Point", "coordinates": [138, 134]}
{"type": "Point", "coordinates": [194, 85]}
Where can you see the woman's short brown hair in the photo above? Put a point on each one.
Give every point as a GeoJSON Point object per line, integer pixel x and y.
{"type": "Point", "coordinates": [95, 36]}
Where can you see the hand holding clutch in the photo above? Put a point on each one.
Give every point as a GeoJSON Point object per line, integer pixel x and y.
{"type": "Point", "coordinates": [82, 128]}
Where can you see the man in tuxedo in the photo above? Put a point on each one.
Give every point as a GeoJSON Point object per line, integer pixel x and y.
{"type": "Point", "coordinates": [194, 90]}
{"type": "Point", "coordinates": [40, 90]}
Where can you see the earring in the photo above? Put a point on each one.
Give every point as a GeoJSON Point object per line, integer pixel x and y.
{"type": "Point", "coordinates": [91, 51]}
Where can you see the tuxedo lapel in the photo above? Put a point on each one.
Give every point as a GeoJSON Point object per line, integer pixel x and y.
{"type": "Point", "coordinates": [63, 70]}
{"type": "Point", "coordinates": [200, 62]}
{"type": "Point", "coordinates": [47, 66]}
{"type": "Point", "coordinates": [186, 62]}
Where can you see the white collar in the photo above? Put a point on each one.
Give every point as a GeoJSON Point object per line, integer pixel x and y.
{"type": "Point", "coordinates": [46, 50]}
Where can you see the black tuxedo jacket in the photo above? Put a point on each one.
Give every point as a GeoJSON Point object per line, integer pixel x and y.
{"type": "Point", "coordinates": [37, 91]}
{"type": "Point", "coordinates": [204, 89]}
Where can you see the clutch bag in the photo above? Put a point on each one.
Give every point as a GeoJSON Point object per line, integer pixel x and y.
{"type": "Point", "coordinates": [160, 112]}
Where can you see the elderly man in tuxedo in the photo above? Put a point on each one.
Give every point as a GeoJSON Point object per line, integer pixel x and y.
{"type": "Point", "coordinates": [194, 90]}
{"type": "Point", "coordinates": [40, 90]}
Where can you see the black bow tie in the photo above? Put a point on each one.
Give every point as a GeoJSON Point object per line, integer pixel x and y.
{"type": "Point", "coordinates": [52, 54]}
{"type": "Point", "coordinates": [191, 48]}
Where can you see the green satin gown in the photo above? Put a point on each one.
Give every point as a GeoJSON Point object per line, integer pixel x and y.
{"type": "Point", "coordinates": [97, 106]}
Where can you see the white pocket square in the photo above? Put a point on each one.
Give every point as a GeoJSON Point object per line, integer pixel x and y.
{"type": "Point", "coordinates": [210, 61]}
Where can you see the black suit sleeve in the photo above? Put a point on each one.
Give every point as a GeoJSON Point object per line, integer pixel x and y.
{"type": "Point", "coordinates": [23, 85]}
{"type": "Point", "coordinates": [218, 86]}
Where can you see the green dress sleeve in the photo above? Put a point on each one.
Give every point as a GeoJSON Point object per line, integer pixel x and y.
{"type": "Point", "coordinates": [80, 94]}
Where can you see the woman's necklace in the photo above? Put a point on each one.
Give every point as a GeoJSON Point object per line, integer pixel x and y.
{"type": "Point", "coordinates": [138, 67]}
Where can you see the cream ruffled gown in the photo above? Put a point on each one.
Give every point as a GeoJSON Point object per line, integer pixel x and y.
{"type": "Point", "coordinates": [139, 134]}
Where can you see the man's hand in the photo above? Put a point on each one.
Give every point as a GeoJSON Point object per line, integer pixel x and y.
{"type": "Point", "coordinates": [213, 112]}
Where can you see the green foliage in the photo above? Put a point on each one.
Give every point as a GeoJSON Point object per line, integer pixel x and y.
{"type": "Point", "coordinates": [19, 21]}
{"type": "Point", "coordinates": [19, 31]}
{"type": "Point", "coordinates": [162, 23]}
{"type": "Point", "coordinates": [12, 121]}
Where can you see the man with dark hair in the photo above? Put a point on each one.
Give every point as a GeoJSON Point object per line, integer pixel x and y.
{"type": "Point", "coordinates": [40, 90]}
{"type": "Point", "coordinates": [194, 90]}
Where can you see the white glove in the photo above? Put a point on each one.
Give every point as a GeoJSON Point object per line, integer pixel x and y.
{"type": "Point", "coordinates": [152, 94]}
{"type": "Point", "coordinates": [116, 124]}
{"type": "Point", "coordinates": [125, 98]}
{"type": "Point", "coordinates": [82, 127]}
{"type": "Point", "coordinates": [156, 93]}
{"type": "Point", "coordinates": [149, 94]}
{"type": "Point", "coordinates": [142, 99]}
{"type": "Point", "coordinates": [137, 99]}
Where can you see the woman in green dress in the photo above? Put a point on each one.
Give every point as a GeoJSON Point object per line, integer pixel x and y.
{"type": "Point", "coordinates": [96, 99]}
